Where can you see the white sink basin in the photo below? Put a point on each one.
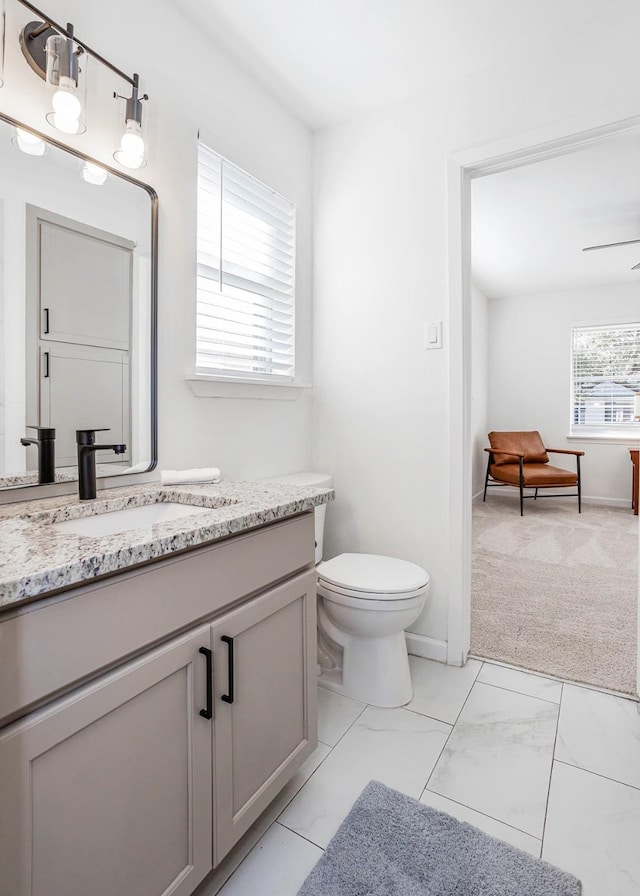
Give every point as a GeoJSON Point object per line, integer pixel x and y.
{"type": "Point", "coordinates": [115, 521]}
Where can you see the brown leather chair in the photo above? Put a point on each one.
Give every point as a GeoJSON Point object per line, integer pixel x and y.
{"type": "Point", "coordinates": [520, 459]}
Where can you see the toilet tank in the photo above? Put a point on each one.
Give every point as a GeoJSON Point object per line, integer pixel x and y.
{"type": "Point", "coordinates": [319, 480]}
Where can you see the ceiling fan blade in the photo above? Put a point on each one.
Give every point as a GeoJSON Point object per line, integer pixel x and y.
{"type": "Point", "coordinates": [609, 245]}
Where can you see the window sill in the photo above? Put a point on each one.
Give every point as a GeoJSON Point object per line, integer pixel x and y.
{"type": "Point", "coordinates": [607, 438]}
{"type": "Point", "coordinates": [209, 386]}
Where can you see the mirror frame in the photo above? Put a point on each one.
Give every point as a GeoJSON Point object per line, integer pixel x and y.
{"type": "Point", "coordinates": [153, 313]}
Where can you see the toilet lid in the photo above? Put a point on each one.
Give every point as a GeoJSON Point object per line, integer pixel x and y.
{"type": "Point", "coordinates": [373, 574]}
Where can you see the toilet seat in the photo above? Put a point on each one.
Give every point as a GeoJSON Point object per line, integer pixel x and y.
{"type": "Point", "coordinates": [363, 577]}
{"type": "Point", "coordinates": [364, 600]}
{"type": "Point", "coordinates": [377, 603]}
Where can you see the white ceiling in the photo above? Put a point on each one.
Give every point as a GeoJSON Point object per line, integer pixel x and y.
{"type": "Point", "coordinates": [330, 60]}
{"type": "Point", "coordinates": [530, 224]}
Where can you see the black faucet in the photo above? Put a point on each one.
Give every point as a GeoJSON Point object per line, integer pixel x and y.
{"type": "Point", "coordinates": [46, 442]}
{"type": "Point", "coordinates": [85, 440]}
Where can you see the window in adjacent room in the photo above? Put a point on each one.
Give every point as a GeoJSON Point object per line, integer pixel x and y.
{"type": "Point", "coordinates": [246, 275]}
{"type": "Point", "coordinates": [605, 377]}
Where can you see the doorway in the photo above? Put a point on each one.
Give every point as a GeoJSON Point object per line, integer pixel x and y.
{"type": "Point", "coordinates": [464, 170]}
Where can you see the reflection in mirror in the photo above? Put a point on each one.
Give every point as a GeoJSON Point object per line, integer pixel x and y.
{"type": "Point", "coordinates": [77, 310]}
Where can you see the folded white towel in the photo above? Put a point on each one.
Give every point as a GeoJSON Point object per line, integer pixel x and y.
{"type": "Point", "coordinates": [185, 477]}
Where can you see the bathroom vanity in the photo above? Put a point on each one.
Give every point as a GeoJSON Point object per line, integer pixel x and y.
{"type": "Point", "coordinates": [157, 685]}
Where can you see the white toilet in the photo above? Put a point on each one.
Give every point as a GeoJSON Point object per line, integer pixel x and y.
{"type": "Point", "coordinates": [365, 603]}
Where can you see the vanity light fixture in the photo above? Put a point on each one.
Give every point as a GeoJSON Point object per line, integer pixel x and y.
{"type": "Point", "coordinates": [53, 52]}
{"type": "Point", "coordinates": [29, 143]}
{"type": "Point", "coordinates": [53, 55]}
{"type": "Point", "coordinates": [94, 174]}
{"type": "Point", "coordinates": [131, 152]}
{"type": "Point", "coordinates": [63, 73]}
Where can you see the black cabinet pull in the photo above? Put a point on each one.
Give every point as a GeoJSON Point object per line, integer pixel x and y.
{"type": "Point", "coordinates": [46, 365]}
{"type": "Point", "coordinates": [229, 698]}
{"type": "Point", "coordinates": [208, 712]}
{"type": "Point", "coordinates": [46, 320]}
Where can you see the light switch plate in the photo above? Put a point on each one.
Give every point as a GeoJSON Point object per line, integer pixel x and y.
{"type": "Point", "coordinates": [433, 334]}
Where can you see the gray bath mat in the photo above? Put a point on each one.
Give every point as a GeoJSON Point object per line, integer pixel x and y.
{"type": "Point", "coordinates": [392, 845]}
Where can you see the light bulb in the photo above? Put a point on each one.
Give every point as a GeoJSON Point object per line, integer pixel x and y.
{"type": "Point", "coordinates": [66, 107]}
{"type": "Point", "coordinates": [131, 152]}
{"type": "Point", "coordinates": [30, 143]}
{"type": "Point", "coordinates": [94, 174]}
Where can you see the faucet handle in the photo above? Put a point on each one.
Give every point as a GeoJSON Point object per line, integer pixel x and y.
{"type": "Point", "coordinates": [88, 436]}
{"type": "Point", "coordinates": [44, 432]}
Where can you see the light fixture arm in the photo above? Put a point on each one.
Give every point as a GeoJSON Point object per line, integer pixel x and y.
{"type": "Point", "coordinates": [133, 110]}
{"type": "Point", "coordinates": [37, 30]}
{"type": "Point", "coordinates": [46, 26]}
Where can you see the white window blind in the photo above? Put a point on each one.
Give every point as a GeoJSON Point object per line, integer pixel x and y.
{"type": "Point", "coordinates": [246, 274]}
{"type": "Point", "coordinates": [605, 364]}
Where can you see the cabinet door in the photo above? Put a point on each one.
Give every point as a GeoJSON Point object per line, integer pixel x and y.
{"type": "Point", "coordinates": [82, 387]}
{"type": "Point", "coordinates": [85, 284]}
{"type": "Point", "coordinates": [270, 727]}
{"type": "Point", "coordinates": [108, 791]}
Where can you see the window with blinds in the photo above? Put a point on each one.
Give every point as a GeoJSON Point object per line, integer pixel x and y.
{"type": "Point", "coordinates": [246, 274]}
{"type": "Point", "coordinates": [605, 376]}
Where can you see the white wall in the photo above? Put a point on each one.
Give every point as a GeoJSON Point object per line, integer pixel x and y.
{"type": "Point", "coordinates": [479, 387]}
{"type": "Point", "coordinates": [381, 270]}
{"type": "Point", "coordinates": [192, 85]}
{"type": "Point", "coordinates": [530, 370]}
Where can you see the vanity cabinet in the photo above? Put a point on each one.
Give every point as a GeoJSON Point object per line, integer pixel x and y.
{"type": "Point", "coordinates": [139, 781]}
{"type": "Point", "coordinates": [108, 791]}
{"type": "Point", "coordinates": [264, 709]}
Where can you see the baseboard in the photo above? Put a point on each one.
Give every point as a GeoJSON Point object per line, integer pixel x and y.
{"type": "Point", "coordinates": [428, 648]}
{"type": "Point", "coordinates": [586, 499]}
{"type": "Point", "coordinates": [608, 502]}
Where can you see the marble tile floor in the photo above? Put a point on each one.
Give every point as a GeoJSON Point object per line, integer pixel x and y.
{"type": "Point", "coordinates": [552, 768]}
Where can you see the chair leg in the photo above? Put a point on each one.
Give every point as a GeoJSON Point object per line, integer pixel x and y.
{"type": "Point", "coordinates": [486, 479]}
{"type": "Point", "coordinates": [579, 485]}
{"type": "Point", "coordinates": [521, 488]}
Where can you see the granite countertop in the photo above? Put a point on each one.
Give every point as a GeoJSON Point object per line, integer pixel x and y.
{"type": "Point", "coordinates": [63, 474]}
{"type": "Point", "coordinates": [36, 558]}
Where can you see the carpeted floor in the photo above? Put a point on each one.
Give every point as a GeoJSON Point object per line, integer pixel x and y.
{"type": "Point", "coordinates": [556, 591]}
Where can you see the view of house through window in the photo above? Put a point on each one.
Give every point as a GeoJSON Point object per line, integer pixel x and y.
{"type": "Point", "coordinates": [605, 363]}
{"type": "Point", "coordinates": [246, 274]}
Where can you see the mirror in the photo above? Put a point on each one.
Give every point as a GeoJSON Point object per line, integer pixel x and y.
{"type": "Point", "coordinates": [78, 272]}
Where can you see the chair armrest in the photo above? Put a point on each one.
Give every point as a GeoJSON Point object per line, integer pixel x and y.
{"type": "Point", "coordinates": [564, 451]}
{"type": "Point", "coordinates": [502, 451]}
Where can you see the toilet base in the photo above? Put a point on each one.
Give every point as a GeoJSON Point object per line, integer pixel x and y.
{"type": "Point", "coordinates": [374, 671]}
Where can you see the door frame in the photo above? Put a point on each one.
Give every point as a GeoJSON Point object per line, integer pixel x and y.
{"type": "Point", "coordinates": [462, 168]}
